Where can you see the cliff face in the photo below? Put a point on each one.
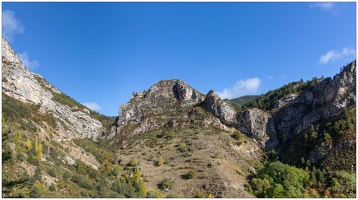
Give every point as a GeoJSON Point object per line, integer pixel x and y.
{"type": "Point", "coordinates": [18, 82]}
{"type": "Point", "coordinates": [327, 99]}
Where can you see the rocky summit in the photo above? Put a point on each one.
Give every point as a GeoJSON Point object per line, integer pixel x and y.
{"type": "Point", "coordinates": [173, 141]}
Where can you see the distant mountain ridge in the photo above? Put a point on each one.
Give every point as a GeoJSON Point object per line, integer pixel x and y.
{"type": "Point", "coordinates": [240, 101]}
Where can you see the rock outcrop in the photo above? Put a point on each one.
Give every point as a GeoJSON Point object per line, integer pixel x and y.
{"type": "Point", "coordinates": [155, 108]}
{"type": "Point", "coordinates": [18, 82]}
{"type": "Point", "coordinates": [258, 125]}
{"type": "Point", "coordinates": [225, 112]}
{"type": "Point", "coordinates": [327, 99]}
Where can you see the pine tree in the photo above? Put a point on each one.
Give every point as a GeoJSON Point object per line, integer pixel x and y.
{"type": "Point", "coordinates": [37, 174]}
{"type": "Point", "coordinates": [303, 161]}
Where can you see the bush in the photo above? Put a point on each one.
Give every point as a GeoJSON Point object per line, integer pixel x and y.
{"type": "Point", "coordinates": [52, 172]}
{"type": "Point", "coordinates": [132, 163]}
{"type": "Point", "coordinates": [191, 174]}
{"type": "Point", "coordinates": [166, 184]}
{"type": "Point", "coordinates": [159, 162]}
{"type": "Point", "coordinates": [52, 187]}
{"type": "Point", "coordinates": [66, 175]}
{"type": "Point", "coordinates": [82, 181]}
{"type": "Point", "coordinates": [20, 156]}
{"type": "Point", "coordinates": [183, 147]}
{"type": "Point", "coordinates": [237, 135]}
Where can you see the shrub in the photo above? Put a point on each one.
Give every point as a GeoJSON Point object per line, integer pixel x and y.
{"type": "Point", "coordinates": [20, 156]}
{"type": "Point", "coordinates": [82, 181]}
{"type": "Point", "coordinates": [52, 172]}
{"type": "Point", "coordinates": [132, 163]}
{"type": "Point", "coordinates": [52, 187]}
{"type": "Point", "coordinates": [66, 175]}
{"type": "Point", "coordinates": [191, 174]}
{"type": "Point", "coordinates": [237, 135]}
{"type": "Point", "coordinates": [166, 184]}
{"type": "Point", "coordinates": [183, 147]}
{"type": "Point", "coordinates": [159, 162]}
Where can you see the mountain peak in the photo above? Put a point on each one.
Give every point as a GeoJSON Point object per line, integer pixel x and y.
{"type": "Point", "coordinates": [161, 100]}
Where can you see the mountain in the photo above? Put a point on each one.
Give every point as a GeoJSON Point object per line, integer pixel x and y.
{"type": "Point", "coordinates": [173, 141]}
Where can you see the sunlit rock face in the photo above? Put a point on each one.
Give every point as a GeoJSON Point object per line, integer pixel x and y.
{"type": "Point", "coordinates": [20, 83]}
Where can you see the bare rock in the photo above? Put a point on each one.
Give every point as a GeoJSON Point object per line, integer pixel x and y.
{"type": "Point", "coordinates": [154, 108]}
{"type": "Point", "coordinates": [222, 110]}
{"type": "Point", "coordinates": [258, 125]}
{"type": "Point", "coordinates": [18, 82]}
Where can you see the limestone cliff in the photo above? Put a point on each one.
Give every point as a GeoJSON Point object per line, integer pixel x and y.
{"type": "Point", "coordinates": [327, 99]}
{"type": "Point", "coordinates": [18, 82]}
{"type": "Point", "coordinates": [258, 125]}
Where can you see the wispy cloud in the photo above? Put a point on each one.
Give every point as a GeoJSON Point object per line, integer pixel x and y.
{"type": "Point", "coordinates": [334, 8]}
{"type": "Point", "coordinates": [10, 25]}
{"type": "Point", "coordinates": [92, 105]}
{"type": "Point", "coordinates": [240, 88]}
{"type": "Point", "coordinates": [326, 6]}
{"type": "Point", "coordinates": [283, 76]}
{"type": "Point", "coordinates": [269, 77]}
{"type": "Point", "coordinates": [334, 55]}
{"type": "Point", "coordinates": [31, 64]}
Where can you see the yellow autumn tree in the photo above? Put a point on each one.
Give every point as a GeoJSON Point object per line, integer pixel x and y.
{"type": "Point", "coordinates": [18, 140]}
{"type": "Point", "coordinates": [136, 176]}
{"type": "Point", "coordinates": [142, 189]}
{"type": "Point", "coordinates": [39, 151]}
{"type": "Point", "coordinates": [28, 144]}
{"type": "Point", "coordinates": [211, 196]}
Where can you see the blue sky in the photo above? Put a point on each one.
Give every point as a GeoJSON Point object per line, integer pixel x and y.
{"type": "Point", "coordinates": [100, 53]}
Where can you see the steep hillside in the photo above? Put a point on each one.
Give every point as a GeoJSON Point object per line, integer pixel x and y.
{"type": "Point", "coordinates": [315, 123]}
{"type": "Point", "coordinates": [174, 123]}
{"type": "Point", "coordinates": [72, 119]}
{"type": "Point", "coordinates": [39, 123]}
{"type": "Point", "coordinates": [173, 141]}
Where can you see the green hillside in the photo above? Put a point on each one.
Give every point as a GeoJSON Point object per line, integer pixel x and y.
{"type": "Point", "coordinates": [240, 101]}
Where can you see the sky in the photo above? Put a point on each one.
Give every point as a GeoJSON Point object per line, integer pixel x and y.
{"type": "Point", "coordinates": [100, 53]}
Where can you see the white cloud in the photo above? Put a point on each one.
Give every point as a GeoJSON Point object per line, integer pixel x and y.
{"type": "Point", "coordinates": [284, 76]}
{"type": "Point", "coordinates": [10, 25]}
{"type": "Point", "coordinates": [240, 88]}
{"type": "Point", "coordinates": [31, 64]}
{"type": "Point", "coordinates": [92, 105]}
{"type": "Point", "coordinates": [333, 55]}
{"type": "Point", "coordinates": [269, 77]}
{"type": "Point", "coordinates": [323, 6]}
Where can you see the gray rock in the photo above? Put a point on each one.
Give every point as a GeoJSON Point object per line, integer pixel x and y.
{"type": "Point", "coordinates": [258, 125]}
{"type": "Point", "coordinates": [222, 110]}
{"type": "Point", "coordinates": [18, 82]}
{"type": "Point", "coordinates": [154, 108]}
